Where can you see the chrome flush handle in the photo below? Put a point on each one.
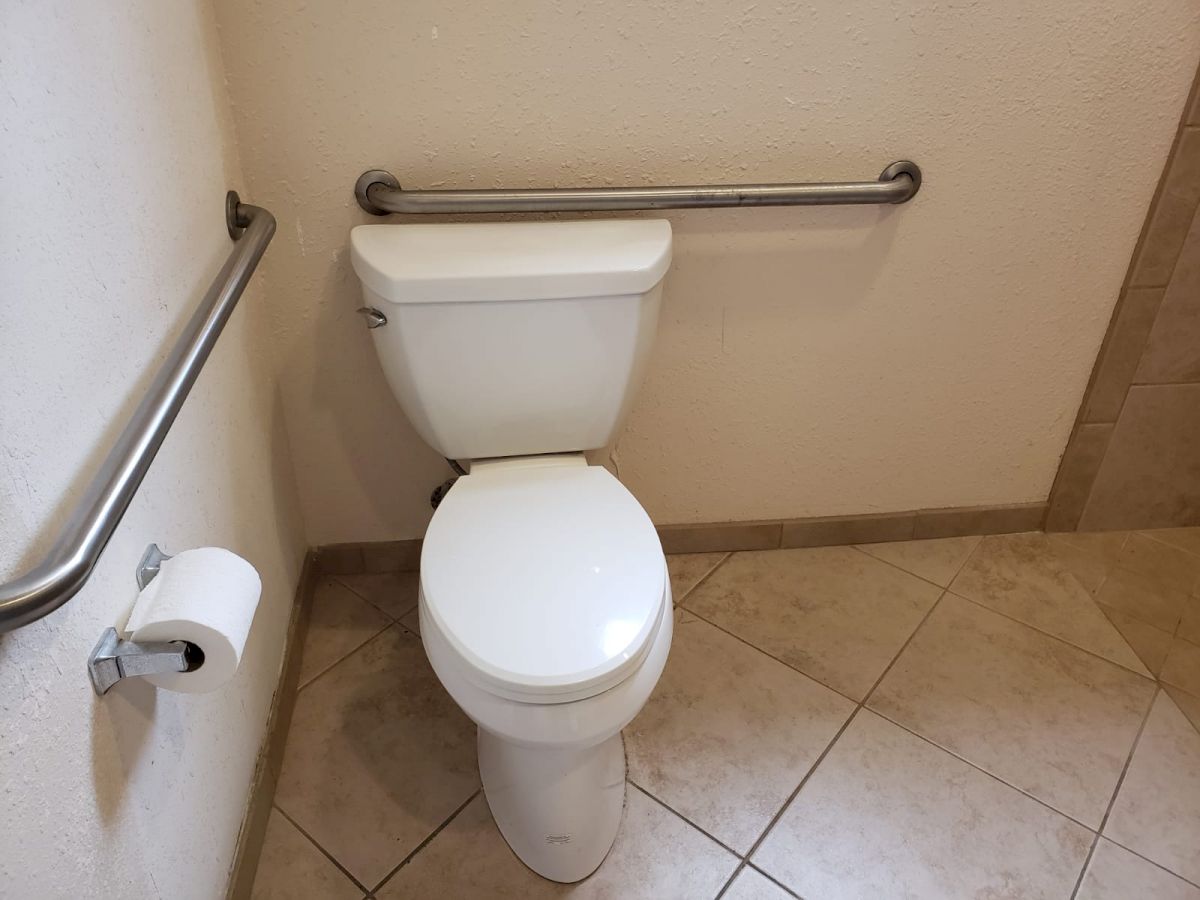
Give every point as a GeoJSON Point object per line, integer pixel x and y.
{"type": "Point", "coordinates": [373, 316]}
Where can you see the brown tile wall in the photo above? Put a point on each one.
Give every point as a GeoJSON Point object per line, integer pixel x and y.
{"type": "Point", "coordinates": [1133, 460]}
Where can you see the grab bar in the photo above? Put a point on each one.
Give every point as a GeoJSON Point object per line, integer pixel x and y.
{"type": "Point", "coordinates": [66, 568]}
{"type": "Point", "coordinates": [379, 193]}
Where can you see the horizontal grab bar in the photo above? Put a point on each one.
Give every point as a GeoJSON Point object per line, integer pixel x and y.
{"type": "Point", "coordinates": [66, 568]}
{"type": "Point", "coordinates": [379, 193]}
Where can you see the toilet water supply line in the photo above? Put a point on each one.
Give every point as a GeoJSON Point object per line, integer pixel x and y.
{"type": "Point", "coordinates": [86, 532]}
{"type": "Point", "coordinates": [379, 193]}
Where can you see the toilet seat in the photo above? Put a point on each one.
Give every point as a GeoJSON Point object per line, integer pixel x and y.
{"type": "Point", "coordinates": [546, 578]}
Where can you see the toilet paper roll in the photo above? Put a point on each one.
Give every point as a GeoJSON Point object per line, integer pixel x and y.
{"type": "Point", "coordinates": [207, 597]}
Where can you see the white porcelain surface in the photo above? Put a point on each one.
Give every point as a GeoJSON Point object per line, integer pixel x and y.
{"type": "Point", "coordinates": [551, 364]}
{"type": "Point", "coordinates": [558, 809]}
{"type": "Point", "coordinates": [470, 262]}
{"type": "Point", "coordinates": [547, 579]}
{"type": "Point", "coordinates": [578, 723]}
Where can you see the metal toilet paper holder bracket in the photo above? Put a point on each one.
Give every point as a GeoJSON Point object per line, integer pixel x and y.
{"type": "Point", "coordinates": [115, 658]}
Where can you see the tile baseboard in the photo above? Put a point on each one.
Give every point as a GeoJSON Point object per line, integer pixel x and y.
{"type": "Point", "coordinates": [708, 537]}
{"type": "Point", "coordinates": [270, 757]}
{"type": "Point", "coordinates": [368, 557]}
{"type": "Point", "coordinates": [867, 528]}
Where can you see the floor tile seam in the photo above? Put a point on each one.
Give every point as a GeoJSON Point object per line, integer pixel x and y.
{"type": "Point", "coordinates": [867, 701]}
{"type": "Point", "coordinates": [900, 652]}
{"type": "Point", "coordinates": [678, 601]}
{"type": "Point", "coordinates": [898, 568]}
{"type": "Point", "coordinates": [349, 653]}
{"type": "Point", "coordinates": [363, 597]}
{"type": "Point", "coordinates": [1157, 865]}
{"type": "Point", "coordinates": [1106, 607]}
{"type": "Point", "coordinates": [859, 706]}
{"type": "Point", "coordinates": [312, 840]}
{"type": "Point", "coordinates": [979, 768]}
{"type": "Point", "coordinates": [1167, 592]}
{"type": "Point", "coordinates": [1188, 641]}
{"type": "Point", "coordinates": [1063, 640]}
{"type": "Point", "coordinates": [969, 557]}
{"type": "Point", "coordinates": [775, 881]}
{"type": "Point", "coordinates": [427, 841]}
{"type": "Point", "coordinates": [799, 787]}
{"type": "Point", "coordinates": [768, 655]}
{"type": "Point", "coordinates": [1158, 540]}
{"type": "Point", "coordinates": [743, 866]}
{"type": "Point", "coordinates": [1195, 724]}
{"type": "Point", "coordinates": [1178, 687]}
{"type": "Point", "coordinates": [673, 811]}
{"type": "Point", "coordinates": [1137, 739]}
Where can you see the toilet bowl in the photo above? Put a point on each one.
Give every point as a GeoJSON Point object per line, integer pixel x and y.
{"type": "Point", "coordinates": [545, 605]}
{"type": "Point", "coordinates": [545, 610]}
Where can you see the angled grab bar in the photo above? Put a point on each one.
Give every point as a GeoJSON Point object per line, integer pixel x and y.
{"type": "Point", "coordinates": [379, 193]}
{"type": "Point", "coordinates": [66, 568]}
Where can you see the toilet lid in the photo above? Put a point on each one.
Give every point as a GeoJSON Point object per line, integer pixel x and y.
{"type": "Point", "coordinates": [547, 579]}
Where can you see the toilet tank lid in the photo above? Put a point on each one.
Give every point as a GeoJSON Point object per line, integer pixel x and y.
{"type": "Point", "coordinates": [472, 262]}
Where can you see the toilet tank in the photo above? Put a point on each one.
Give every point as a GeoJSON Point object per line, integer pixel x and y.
{"type": "Point", "coordinates": [514, 338]}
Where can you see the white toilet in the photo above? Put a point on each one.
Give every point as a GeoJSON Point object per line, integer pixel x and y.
{"type": "Point", "coordinates": [545, 603]}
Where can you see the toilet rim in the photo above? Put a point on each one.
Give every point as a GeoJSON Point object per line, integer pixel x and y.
{"type": "Point", "coordinates": [550, 695]}
{"type": "Point", "coordinates": [546, 576]}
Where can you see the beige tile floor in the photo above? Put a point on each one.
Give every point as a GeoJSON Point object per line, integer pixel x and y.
{"type": "Point", "coordinates": [998, 717]}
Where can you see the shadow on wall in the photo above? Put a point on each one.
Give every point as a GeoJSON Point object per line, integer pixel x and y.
{"type": "Point", "coordinates": [121, 726]}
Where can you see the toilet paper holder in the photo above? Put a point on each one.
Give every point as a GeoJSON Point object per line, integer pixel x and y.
{"type": "Point", "coordinates": [115, 658]}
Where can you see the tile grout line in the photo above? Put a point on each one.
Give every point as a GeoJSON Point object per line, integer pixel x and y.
{"type": "Point", "coordinates": [323, 851]}
{"type": "Point", "coordinates": [367, 600]}
{"type": "Point", "coordinates": [859, 707]}
{"type": "Point", "coordinates": [707, 575]}
{"type": "Point", "coordinates": [1156, 865]}
{"type": "Point", "coordinates": [742, 861]}
{"type": "Point", "coordinates": [1149, 536]}
{"type": "Point", "coordinates": [771, 878]}
{"type": "Point", "coordinates": [342, 659]}
{"type": "Point", "coordinates": [898, 568]}
{"type": "Point", "coordinates": [745, 864]}
{"type": "Point", "coordinates": [425, 843]}
{"type": "Point", "coordinates": [978, 768]}
{"type": "Point", "coordinates": [791, 797]}
{"type": "Point", "coordinates": [767, 654]}
{"type": "Point", "coordinates": [1091, 595]}
{"type": "Point", "coordinates": [1062, 640]}
{"type": "Point", "coordinates": [1116, 790]}
{"type": "Point", "coordinates": [679, 815]}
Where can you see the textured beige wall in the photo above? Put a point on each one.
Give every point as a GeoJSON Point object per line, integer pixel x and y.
{"type": "Point", "coordinates": [115, 152]}
{"type": "Point", "coordinates": [810, 361]}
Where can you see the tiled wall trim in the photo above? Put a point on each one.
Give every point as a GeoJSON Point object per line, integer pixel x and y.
{"type": "Point", "coordinates": [1122, 350]}
{"type": "Point", "coordinates": [1007, 519]}
{"type": "Point", "coordinates": [1150, 474]}
{"type": "Point", "coordinates": [1076, 475]}
{"type": "Point", "coordinates": [868, 529]}
{"type": "Point", "coordinates": [1171, 214]}
{"type": "Point", "coordinates": [270, 757]}
{"type": "Point", "coordinates": [708, 537]}
{"type": "Point", "coordinates": [1132, 464]}
{"type": "Point", "coordinates": [1172, 352]}
{"type": "Point", "coordinates": [380, 556]}
{"type": "Point", "coordinates": [719, 536]}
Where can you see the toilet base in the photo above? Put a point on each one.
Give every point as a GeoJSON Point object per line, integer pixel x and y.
{"type": "Point", "coordinates": [559, 809]}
